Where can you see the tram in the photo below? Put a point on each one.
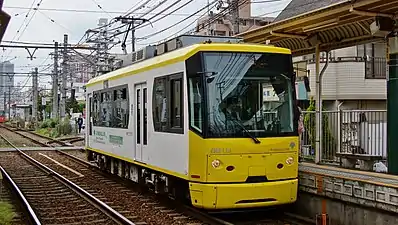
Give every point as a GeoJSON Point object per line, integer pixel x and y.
{"type": "Point", "coordinates": [211, 120]}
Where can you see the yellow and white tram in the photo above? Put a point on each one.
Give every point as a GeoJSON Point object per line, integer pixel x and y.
{"type": "Point", "coordinates": [215, 123]}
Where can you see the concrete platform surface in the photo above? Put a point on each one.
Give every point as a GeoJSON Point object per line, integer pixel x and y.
{"type": "Point", "coordinates": [365, 189]}
{"type": "Point", "coordinates": [363, 176]}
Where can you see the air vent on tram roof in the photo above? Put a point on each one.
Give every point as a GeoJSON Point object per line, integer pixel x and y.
{"type": "Point", "coordinates": [176, 43]}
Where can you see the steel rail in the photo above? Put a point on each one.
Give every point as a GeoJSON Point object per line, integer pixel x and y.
{"type": "Point", "coordinates": [32, 215]}
{"type": "Point", "coordinates": [93, 200]}
{"type": "Point", "coordinates": [51, 140]}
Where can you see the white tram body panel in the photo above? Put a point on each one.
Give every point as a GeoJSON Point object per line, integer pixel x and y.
{"type": "Point", "coordinates": [170, 150]}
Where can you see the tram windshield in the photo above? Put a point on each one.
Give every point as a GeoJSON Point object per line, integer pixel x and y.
{"type": "Point", "coordinates": [247, 94]}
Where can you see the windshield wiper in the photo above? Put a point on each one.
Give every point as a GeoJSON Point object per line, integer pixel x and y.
{"type": "Point", "coordinates": [248, 132]}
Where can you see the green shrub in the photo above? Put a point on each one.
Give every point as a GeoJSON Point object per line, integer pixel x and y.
{"type": "Point", "coordinates": [53, 123]}
{"type": "Point", "coordinates": [329, 144]}
{"type": "Point", "coordinates": [43, 124]}
{"type": "Point", "coordinates": [63, 128]}
{"type": "Point", "coordinates": [6, 213]}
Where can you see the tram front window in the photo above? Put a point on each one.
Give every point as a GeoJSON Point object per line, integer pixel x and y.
{"type": "Point", "coordinates": [248, 95]}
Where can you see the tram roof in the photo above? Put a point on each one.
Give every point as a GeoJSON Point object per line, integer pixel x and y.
{"type": "Point", "coordinates": [331, 23]}
{"type": "Point", "coordinates": [181, 55]}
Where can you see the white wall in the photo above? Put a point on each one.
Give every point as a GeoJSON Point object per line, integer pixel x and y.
{"type": "Point", "coordinates": [346, 81]}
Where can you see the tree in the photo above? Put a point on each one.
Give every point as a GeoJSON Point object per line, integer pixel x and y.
{"type": "Point", "coordinates": [71, 103]}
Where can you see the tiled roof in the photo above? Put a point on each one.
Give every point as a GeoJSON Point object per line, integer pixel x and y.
{"type": "Point", "coordinates": [297, 7]}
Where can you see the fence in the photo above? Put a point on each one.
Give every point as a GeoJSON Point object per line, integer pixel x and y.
{"type": "Point", "coordinates": [354, 131]}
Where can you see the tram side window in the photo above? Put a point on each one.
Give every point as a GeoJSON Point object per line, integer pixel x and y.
{"type": "Point", "coordinates": [95, 109]}
{"type": "Point", "coordinates": [159, 108]}
{"type": "Point", "coordinates": [167, 100]}
{"type": "Point", "coordinates": [106, 109]}
{"type": "Point", "coordinates": [110, 108]}
{"type": "Point", "coordinates": [176, 103]}
{"type": "Point", "coordinates": [120, 117]}
{"type": "Point", "coordinates": [195, 103]}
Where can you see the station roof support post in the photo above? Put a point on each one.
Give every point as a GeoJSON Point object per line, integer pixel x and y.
{"type": "Point", "coordinates": [392, 106]}
{"type": "Point", "coordinates": [318, 103]}
{"type": "Point", "coordinates": [318, 106]}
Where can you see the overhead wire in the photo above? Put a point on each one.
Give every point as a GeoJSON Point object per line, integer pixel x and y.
{"type": "Point", "coordinates": [23, 22]}
{"type": "Point", "coordinates": [167, 28]}
{"type": "Point", "coordinates": [194, 21]}
{"type": "Point", "coordinates": [55, 22]}
{"type": "Point", "coordinates": [31, 18]}
{"type": "Point", "coordinates": [94, 11]}
{"type": "Point", "coordinates": [133, 9]}
{"type": "Point", "coordinates": [182, 6]}
{"type": "Point", "coordinates": [99, 6]}
{"type": "Point", "coordinates": [27, 24]}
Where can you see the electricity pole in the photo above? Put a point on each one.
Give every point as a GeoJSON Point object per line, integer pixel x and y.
{"type": "Point", "coordinates": [64, 76]}
{"type": "Point", "coordinates": [55, 83]}
{"type": "Point", "coordinates": [35, 94]}
{"type": "Point", "coordinates": [5, 103]}
{"type": "Point", "coordinates": [9, 102]}
{"type": "Point", "coordinates": [235, 15]}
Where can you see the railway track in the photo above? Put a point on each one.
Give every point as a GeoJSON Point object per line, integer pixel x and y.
{"type": "Point", "coordinates": [139, 206]}
{"type": "Point", "coordinates": [11, 195]}
{"type": "Point", "coordinates": [55, 199]}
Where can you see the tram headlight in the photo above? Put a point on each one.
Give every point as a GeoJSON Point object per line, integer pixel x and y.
{"type": "Point", "coordinates": [216, 163]}
{"type": "Point", "coordinates": [289, 161]}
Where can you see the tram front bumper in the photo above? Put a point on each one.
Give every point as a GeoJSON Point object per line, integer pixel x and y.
{"type": "Point", "coordinates": [244, 195]}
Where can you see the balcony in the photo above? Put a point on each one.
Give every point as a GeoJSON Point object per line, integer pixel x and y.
{"type": "Point", "coordinates": [376, 68]}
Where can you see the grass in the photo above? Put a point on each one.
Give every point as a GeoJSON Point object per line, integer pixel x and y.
{"type": "Point", "coordinates": [49, 132]}
{"type": "Point", "coordinates": [6, 213]}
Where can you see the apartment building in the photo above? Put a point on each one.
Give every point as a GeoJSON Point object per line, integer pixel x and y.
{"type": "Point", "coordinates": [6, 83]}
{"type": "Point", "coordinates": [212, 24]}
{"type": "Point", "coordinates": [355, 77]}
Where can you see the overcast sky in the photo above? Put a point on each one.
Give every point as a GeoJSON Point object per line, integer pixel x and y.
{"type": "Point", "coordinates": [48, 24]}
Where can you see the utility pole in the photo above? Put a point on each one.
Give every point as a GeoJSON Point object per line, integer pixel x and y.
{"type": "Point", "coordinates": [102, 40]}
{"type": "Point", "coordinates": [5, 103]}
{"type": "Point", "coordinates": [234, 4]}
{"type": "Point", "coordinates": [55, 83]}
{"type": "Point", "coordinates": [64, 76]}
{"type": "Point", "coordinates": [9, 102]}
{"type": "Point", "coordinates": [35, 94]}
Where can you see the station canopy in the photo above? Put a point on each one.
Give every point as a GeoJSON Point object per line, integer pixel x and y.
{"type": "Point", "coordinates": [332, 24]}
{"type": "Point", "coordinates": [4, 20]}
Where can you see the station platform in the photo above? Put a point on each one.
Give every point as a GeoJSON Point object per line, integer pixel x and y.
{"type": "Point", "coordinates": [370, 189]}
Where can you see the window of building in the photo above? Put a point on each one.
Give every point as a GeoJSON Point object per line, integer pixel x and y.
{"type": "Point", "coordinates": [167, 108]}
{"type": "Point", "coordinates": [110, 107]}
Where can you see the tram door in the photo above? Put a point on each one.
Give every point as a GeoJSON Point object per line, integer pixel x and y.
{"type": "Point", "coordinates": [89, 119]}
{"type": "Point", "coordinates": [141, 113]}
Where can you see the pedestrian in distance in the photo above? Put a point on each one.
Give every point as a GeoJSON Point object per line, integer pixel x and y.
{"type": "Point", "coordinates": [80, 123]}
